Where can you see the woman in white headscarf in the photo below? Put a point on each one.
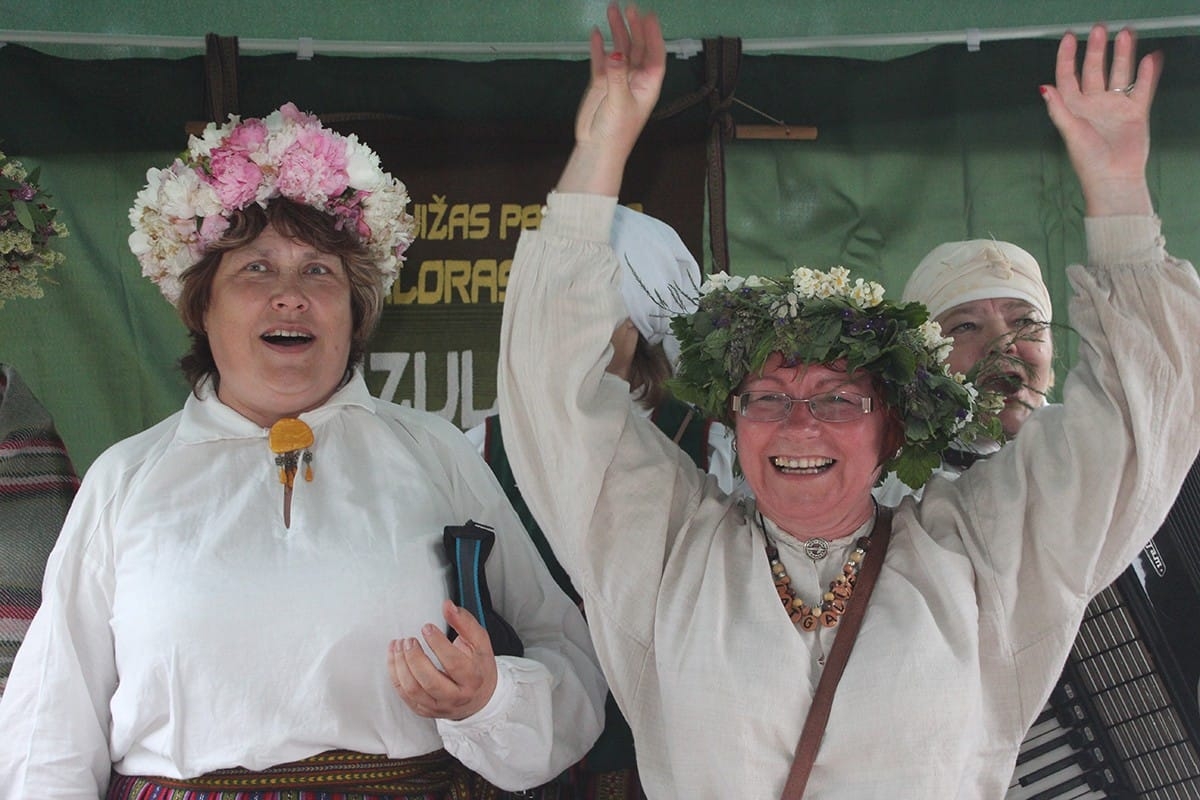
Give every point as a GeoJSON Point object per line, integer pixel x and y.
{"type": "Point", "coordinates": [989, 297]}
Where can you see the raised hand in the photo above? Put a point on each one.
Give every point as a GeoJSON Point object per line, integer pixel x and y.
{"type": "Point", "coordinates": [624, 87]}
{"type": "Point", "coordinates": [1104, 118]}
{"type": "Point", "coordinates": [467, 679]}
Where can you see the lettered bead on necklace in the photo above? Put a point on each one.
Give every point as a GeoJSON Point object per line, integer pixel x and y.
{"type": "Point", "coordinates": [833, 601]}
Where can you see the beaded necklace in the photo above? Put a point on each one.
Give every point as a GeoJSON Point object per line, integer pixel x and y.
{"type": "Point", "coordinates": [833, 602]}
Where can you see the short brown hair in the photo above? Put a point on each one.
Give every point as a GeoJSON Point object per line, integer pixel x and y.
{"type": "Point", "coordinates": [648, 373]}
{"type": "Point", "coordinates": [298, 221]}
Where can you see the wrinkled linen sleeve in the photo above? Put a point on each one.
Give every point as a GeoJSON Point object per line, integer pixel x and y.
{"type": "Point", "coordinates": [548, 708]}
{"type": "Point", "coordinates": [54, 717]}
{"type": "Point", "coordinates": [611, 492]}
{"type": "Point", "coordinates": [1062, 510]}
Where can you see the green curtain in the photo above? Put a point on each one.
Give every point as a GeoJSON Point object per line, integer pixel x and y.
{"type": "Point", "coordinates": [945, 144]}
{"type": "Point", "coordinates": [940, 146]}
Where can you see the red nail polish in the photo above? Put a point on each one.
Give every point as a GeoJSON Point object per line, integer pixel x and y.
{"type": "Point", "coordinates": [617, 56]}
{"type": "Point", "coordinates": [1043, 90]}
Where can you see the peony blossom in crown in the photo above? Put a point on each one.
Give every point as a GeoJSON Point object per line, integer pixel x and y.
{"type": "Point", "coordinates": [186, 207]}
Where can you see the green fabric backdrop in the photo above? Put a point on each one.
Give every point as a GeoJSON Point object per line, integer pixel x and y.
{"type": "Point", "coordinates": [942, 145]}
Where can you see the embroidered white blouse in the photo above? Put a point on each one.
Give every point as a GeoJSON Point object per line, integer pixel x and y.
{"type": "Point", "coordinates": [184, 628]}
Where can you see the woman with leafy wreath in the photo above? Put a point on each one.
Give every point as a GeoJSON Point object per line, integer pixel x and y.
{"type": "Point", "coordinates": [974, 593]}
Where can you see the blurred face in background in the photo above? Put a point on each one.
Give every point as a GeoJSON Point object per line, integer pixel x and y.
{"type": "Point", "coordinates": [1014, 333]}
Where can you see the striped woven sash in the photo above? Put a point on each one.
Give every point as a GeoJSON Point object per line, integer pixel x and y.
{"type": "Point", "coordinates": [333, 775]}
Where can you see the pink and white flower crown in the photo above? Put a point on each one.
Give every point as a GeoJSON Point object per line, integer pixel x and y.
{"type": "Point", "coordinates": [185, 208]}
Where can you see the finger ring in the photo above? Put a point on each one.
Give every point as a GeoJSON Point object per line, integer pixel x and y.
{"type": "Point", "coordinates": [1127, 90]}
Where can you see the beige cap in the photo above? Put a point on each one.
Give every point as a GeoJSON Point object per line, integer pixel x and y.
{"type": "Point", "coordinates": [979, 269]}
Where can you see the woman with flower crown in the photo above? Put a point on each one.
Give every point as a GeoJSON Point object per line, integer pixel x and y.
{"type": "Point", "coordinates": [959, 609]}
{"type": "Point", "coordinates": [221, 611]}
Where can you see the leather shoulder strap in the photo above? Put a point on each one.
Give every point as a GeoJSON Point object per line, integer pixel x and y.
{"type": "Point", "coordinates": [818, 714]}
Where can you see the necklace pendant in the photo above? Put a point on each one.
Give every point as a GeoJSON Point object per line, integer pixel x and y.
{"type": "Point", "coordinates": [826, 612]}
{"type": "Point", "coordinates": [816, 549]}
{"type": "Point", "coordinates": [290, 440]}
{"type": "Point", "coordinates": [289, 434]}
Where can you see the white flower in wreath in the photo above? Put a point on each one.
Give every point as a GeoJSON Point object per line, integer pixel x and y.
{"type": "Point", "coordinates": [363, 167]}
{"type": "Point", "coordinates": [806, 282]}
{"type": "Point", "coordinates": [933, 341]}
{"type": "Point", "coordinates": [866, 294]}
{"type": "Point", "coordinates": [722, 281]}
{"type": "Point", "coordinates": [838, 281]}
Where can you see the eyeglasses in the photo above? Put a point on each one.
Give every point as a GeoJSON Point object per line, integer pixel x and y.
{"type": "Point", "coordinates": [827, 407]}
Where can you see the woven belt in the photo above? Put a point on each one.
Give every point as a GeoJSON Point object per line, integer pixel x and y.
{"type": "Point", "coordinates": [346, 773]}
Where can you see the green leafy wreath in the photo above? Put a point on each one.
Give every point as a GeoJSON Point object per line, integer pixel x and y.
{"type": "Point", "coordinates": [815, 317]}
{"type": "Point", "coordinates": [27, 224]}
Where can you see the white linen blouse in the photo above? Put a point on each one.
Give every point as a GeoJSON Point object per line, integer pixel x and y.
{"type": "Point", "coordinates": [184, 628]}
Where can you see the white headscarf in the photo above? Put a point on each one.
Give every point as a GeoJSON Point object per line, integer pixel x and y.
{"type": "Point", "coordinates": [979, 269]}
{"type": "Point", "coordinates": [653, 260]}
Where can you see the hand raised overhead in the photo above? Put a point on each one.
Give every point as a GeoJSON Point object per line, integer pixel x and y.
{"type": "Point", "coordinates": [624, 87]}
{"type": "Point", "coordinates": [1104, 118]}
